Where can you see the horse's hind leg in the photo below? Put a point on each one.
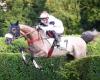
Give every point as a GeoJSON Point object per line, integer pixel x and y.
{"type": "Point", "coordinates": [69, 57]}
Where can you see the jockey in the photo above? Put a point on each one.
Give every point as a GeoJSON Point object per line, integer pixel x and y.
{"type": "Point", "coordinates": [51, 25]}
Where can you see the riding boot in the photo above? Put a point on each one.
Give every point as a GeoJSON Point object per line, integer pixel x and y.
{"type": "Point", "coordinates": [57, 39]}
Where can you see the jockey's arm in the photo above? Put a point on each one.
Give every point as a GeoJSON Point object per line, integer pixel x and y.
{"type": "Point", "coordinates": [46, 28]}
{"type": "Point", "coordinates": [56, 28]}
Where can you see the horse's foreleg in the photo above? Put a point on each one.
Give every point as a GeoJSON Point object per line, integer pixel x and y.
{"type": "Point", "coordinates": [35, 63]}
{"type": "Point", "coordinates": [23, 56]}
{"type": "Point", "coordinates": [33, 52]}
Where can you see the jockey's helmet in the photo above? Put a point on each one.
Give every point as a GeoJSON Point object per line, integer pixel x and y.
{"type": "Point", "coordinates": [44, 16]}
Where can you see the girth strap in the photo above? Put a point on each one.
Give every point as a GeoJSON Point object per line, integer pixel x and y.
{"type": "Point", "coordinates": [51, 50]}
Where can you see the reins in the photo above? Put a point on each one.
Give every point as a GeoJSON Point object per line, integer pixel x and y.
{"type": "Point", "coordinates": [33, 32]}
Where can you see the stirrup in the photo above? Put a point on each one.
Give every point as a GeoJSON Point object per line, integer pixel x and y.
{"type": "Point", "coordinates": [58, 44]}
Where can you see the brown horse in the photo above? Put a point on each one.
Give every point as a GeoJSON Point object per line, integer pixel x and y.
{"type": "Point", "coordinates": [40, 45]}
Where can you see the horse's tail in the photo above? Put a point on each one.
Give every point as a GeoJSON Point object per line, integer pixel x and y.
{"type": "Point", "coordinates": [87, 37]}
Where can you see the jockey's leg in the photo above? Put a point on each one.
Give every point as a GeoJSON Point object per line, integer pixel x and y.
{"type": "Point", "coordinates": [57, 38]}
{"type": "Point", "coordinates": [54, 35]}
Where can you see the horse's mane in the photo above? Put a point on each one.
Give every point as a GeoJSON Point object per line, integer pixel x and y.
{"type": "Point", "coordinates": [40, 32]}
{"type": "Point", "coordinates": [23, 25]}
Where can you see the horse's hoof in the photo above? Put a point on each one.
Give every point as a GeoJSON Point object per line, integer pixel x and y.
{"type": "Point", "coordinates": [39, 67]}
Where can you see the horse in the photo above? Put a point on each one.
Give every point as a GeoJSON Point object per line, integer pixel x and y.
{"type": "Point", "coordinates": [41, 45]}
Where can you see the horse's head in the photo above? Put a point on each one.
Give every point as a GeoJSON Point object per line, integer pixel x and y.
{"type": "Point", "coordinates": [13, 33]}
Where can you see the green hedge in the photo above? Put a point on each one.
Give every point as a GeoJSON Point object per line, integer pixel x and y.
{"type": "Point", "coordinates": [12, 68]}
{"type": "Point", "coordinates": [14, 48]}
{"type": "Point", "coordinates": [83, 69]}
{"type": "Point", "coordinates": [93, 48]}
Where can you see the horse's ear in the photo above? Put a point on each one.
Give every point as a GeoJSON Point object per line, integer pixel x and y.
{"type": "Point", "coordinates": [10, 23]}
{"type": "Point", "coordinates": [17, 23]}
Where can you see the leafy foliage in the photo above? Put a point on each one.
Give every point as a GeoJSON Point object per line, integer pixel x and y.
{"type": "Point", "coordinates": [90, 12]}
{"type": "Point", "coordinates": [75, 14]}
{"type": "Point", "coordinates": [94, 47]}
{"type": "Point", "coordinates": [12, 68]}
{"type": "Point", "coordinates": [14, 48]}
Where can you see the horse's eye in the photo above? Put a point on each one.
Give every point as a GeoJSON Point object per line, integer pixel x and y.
{"type": "Point", "coordinates": [13, 30]}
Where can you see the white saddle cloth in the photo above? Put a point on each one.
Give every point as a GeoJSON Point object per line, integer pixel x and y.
{"type": "Point", "coordinates": [63, 42]}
